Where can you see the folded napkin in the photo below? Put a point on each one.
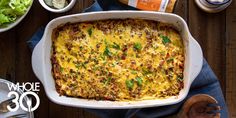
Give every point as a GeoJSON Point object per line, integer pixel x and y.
{"type": "Point", "coordinates": [205, 83]}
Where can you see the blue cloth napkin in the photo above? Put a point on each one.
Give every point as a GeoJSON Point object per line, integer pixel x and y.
{"type": "Point", "coordinates": [205, 83]}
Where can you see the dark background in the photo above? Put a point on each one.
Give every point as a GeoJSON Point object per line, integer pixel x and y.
{"type": "Point", "coordinates": [216, 34]}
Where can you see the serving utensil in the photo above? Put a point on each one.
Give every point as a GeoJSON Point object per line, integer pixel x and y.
{"type": "Point", "coordinates": [200, 105]}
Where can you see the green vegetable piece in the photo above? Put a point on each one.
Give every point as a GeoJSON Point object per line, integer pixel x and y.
{"type": "Point", "coordinates": [138, 46]}
{"type": "Point", "coordinates": [134, 72]}
{"type": "Point", "coordinates": [107, 81]}
{"type": "Point", "coordinates": [83, 65]}
{"type": "Point", "coordinates": [116, 46]}
{"type": "Point", "coordinates": [102, 56]}
{"type": "Point", "coordinates": [81, 48]}
{"type": "Point", "coordinates": [146, 71]}
{"type": "Point", "coordinates": [77, 66]}
{"type": "Point", "coordinates": [105, 41]}
{"type": "Point", "coordinates": [61, 69]}
{"type": "Point", "coordinates": [170, 60]}
{"type": "Point", "coordinates": [90, 32]}
{"type": "Point", "coordinates": [114, 64]}
{"type": "Point", "coordinates": [139, 81]}
{"type": "Point", "coordinates": [107, 51]}
{"type": "Point", "coordinates": [3, 19]}
{"type": "Point", "coordinates": [165, 40]}
{"type": "Point", "coordinates": [129, 84]}
{"type": "Point", "coordinates": [95, 68]}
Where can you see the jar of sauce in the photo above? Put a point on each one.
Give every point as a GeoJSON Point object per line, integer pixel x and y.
{"type": "Point", "coordinates": [152, 5]}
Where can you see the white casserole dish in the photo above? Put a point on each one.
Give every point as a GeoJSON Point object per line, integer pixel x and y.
{"type": "Point", "coordinates": [42, 65]}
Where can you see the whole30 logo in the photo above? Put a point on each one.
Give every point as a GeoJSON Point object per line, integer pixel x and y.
{"type": "Point", "coordinates": [28, 89]}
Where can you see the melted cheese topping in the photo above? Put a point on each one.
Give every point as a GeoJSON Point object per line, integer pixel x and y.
{"type": "Point", "coordinates": [118, 60]}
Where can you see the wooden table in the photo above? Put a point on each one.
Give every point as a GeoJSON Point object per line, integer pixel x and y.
{"type": "Point", "coordinates": [216, 34]}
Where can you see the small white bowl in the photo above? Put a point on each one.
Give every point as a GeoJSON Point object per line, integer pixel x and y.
{"type": "Point", "coordinates": [68, 7]}
{"type": "Point", "coordinates": [18, 20]}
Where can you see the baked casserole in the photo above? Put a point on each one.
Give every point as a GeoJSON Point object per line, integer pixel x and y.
{"type": "Point", "coordinates": [118, 60]}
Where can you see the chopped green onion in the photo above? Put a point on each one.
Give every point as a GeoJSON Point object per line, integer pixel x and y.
{"type": "Point", "coordinates": [81, 48]}
{"type": "Point", "coordinates": [77, 66]}
{"type": "Point", "coordinates": [138, 46]}
{"type": "Point", "coordinates": [114, 64]}
{"type": "Point", "coordinates": [95, 68]}
{"type": "Point", "coordinates": [134, 72]}
{"type": "Point", "coordinates": [146, 71]}
{"type": "Point", "coordinates": [61, 69]}
{"type": "Point", "coordinates": [139, 80]}
{"type": "Point", "coordinates": [104, 63]}
{"type": "Point", "coordinates": [170, 60]}
{"type": "Point", "coordinates": [90, 31]}
{"type": "Point", "coordinates": [129, 84]}
{"type": "Point", "coordinates": [165, 40]}
{"type": "Point", "coordinates": [107, 51]}
{"type": "Point", "coordinates": [107, 81]}
{"type": "Point", "coordinates": [83, 65]}
{"type": "Point", "coordinates": [116, 46]}
{"type": "Point", "coordinates": [102, 56]}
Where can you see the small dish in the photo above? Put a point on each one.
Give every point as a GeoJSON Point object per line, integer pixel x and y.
{"type": "Point", "coordinates": [66, 8]}
{"type": "Point", "coordinates": [211, 8]}
{"type": "Point", "coordinates": [218, 3]}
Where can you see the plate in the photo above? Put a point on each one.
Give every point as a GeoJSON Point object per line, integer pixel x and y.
{"type": "Point", "coordinates": [4, 90]}
{"type": "Point", "coordinates": [11, 25]}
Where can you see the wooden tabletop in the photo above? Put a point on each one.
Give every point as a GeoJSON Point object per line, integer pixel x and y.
{"type": "Point", "coordinates": [216, 34]}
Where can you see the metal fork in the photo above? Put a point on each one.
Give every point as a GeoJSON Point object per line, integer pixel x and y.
{"type": "Point", "coordinates": [29, 104]}
{"type": "Point", "coordinates": [18, 116]}
{"type": "Point", "coordinates": [4, 104]}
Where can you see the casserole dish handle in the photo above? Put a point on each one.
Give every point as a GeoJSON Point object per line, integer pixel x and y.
{"type": "Point", "coordinates": [196, 58]}
{"type": "Point", "coordinates": [37, 61]}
